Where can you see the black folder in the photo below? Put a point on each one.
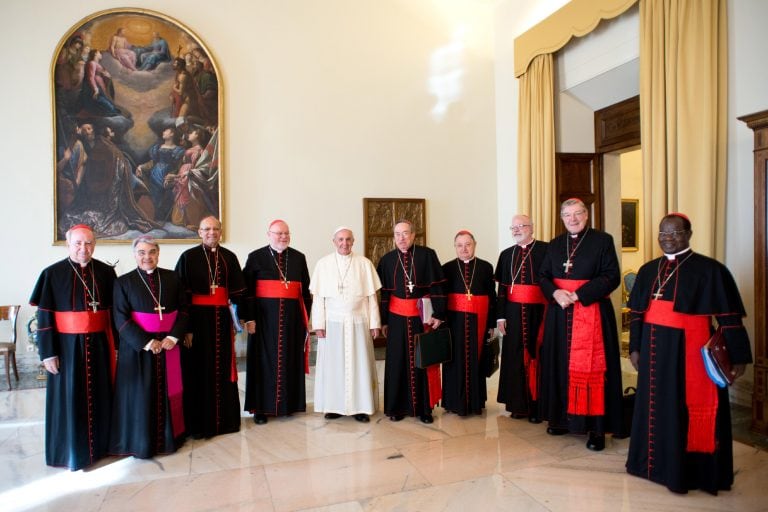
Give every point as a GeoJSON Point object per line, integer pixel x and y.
{"type": "Point", "coordinates": [433, 347]}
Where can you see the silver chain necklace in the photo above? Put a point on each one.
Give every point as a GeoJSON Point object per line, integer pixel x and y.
{"type": "Point", "coordinates": [94, 304]}
{"type": "Point", "coordinates": [159, 297]}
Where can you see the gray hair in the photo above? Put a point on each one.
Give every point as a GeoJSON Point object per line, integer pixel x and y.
{"type": "Point", "coordinates": [145, 239]}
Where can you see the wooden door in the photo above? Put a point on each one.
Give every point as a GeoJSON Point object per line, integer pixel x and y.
{"type": "Point", "coordinates": [579, 175]}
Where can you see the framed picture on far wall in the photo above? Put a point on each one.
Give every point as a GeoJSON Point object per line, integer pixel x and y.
{"type": "Point", "coordinates": [629, 224]}
{"type": "Point", "coordinates": [136, 121]}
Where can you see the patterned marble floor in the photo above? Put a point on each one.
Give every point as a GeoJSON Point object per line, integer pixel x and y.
{"type": "Point", "coordinates": [308, 463]}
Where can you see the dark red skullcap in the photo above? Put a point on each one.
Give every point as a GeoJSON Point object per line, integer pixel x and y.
{"type": "Point", "coordinates": [276, 221]}
{"type": "Point", "coordinates": [464, 232]}
{"type": "Point", "coordinates": [80, 226]}
{"type": "Point", "coordinates": [678, 214]}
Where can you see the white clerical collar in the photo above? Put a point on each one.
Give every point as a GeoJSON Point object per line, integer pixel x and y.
{"type": "Point", "coordinates": [671, 257]}
{"type": "Point", "coordinates": [149, 271]}
{"type": "Point", "coordinates": [278, 251]}
{"type": "Point", "coordinates": [467, 261]}
{"type": "Point", "coordinates": [523, 246]}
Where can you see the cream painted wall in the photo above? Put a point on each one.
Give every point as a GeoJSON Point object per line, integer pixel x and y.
{"type": "Point", "coordinates": [632, 188]}
{"type": "Point", "coordinates": [325, 103]}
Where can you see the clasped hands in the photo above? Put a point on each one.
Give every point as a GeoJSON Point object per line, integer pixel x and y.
{"type": "Point", "coordinates": [157, 346]}
{"type": "Point", "coordinates": [564, 298]}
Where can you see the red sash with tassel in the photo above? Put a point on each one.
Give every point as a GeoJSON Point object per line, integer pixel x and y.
{"type": "Point", "coordinates": [700, 392]}
{"type": "Point", "coordinates": [409, 308]}
{"type": "Point", "coordinates": [82, 322]}
{"type": "Point", "coordinates": [219, 298]}
{"type": "Point", "coordinates": [477, 304]}
{"type": "Point", "coordinates": [586, 366]}
{"type": "Point", "coordinates": [530, 294]}
{"type": "Point", "coordinates": [151, 323]}
{"type": "Point", "coordinates": [276, 289]}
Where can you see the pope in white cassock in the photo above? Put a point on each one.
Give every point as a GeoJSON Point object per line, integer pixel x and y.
{"type": "Point", "coordinates": [345, 317]}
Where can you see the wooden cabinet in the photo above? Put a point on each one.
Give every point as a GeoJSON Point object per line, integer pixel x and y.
{"type": "Point", "coordinates": [758, 122]}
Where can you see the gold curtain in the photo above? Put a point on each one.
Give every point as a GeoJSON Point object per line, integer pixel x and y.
{"type": "Point", "coordinates": [683, 109]}
{"type": "Point", "coordinates": [536, 146]}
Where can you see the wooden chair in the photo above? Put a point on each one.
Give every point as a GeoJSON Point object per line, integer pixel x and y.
{"type": "Point", "coordinates": [8, 348]}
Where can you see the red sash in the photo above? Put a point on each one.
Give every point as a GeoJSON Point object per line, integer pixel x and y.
{"type": "Point", "coordinates": [525, 294]}
{"type": "Point", "coordinates": [700, 392]}
{"type": "Point", "coordinates": [151, 323]}
{"type": "Point", "coordinates": [82, 322]}
{"type": "Point", "coordinates": [586, 367]}
{"type": "Point", "coordinates": [410, 307]}
{"type": "Point", "coordinates": [219, 298]}
{"type": "Point", "coordinates": [477, 304]}
{"type": "Point", "coordinates": [530, 294]}
{"type": "Point", "coordinates": [276, 289]}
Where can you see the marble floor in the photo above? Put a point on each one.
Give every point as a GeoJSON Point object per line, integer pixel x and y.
{"type": "Point", "coordinates": [308, 463]}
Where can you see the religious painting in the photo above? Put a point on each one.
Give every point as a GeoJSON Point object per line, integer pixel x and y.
{"type": "Point", "coordinates": [137, 128]}
{"type": "Point", "coordinates": [381, 215]}
{"type": "Point", "coordinates": [629, 224]}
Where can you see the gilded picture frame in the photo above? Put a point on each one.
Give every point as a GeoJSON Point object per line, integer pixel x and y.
{"type": "Point", "coordinates": [137, 126]}
{"type": "Point", "coordinates": [630, 219]}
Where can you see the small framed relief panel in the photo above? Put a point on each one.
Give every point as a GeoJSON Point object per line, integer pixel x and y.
{"type": "Point", "coordinates": [137, 128]}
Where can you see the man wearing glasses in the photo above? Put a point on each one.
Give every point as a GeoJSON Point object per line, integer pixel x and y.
{"type": "Point", "coordinates": [519, 312]}
{"type": "Point", "coordinates": [278, 343]}
{"type": "Point", "coordinates": [411, 285]}
{"type": "Point", "coordinates": [580, 371]}
{"type": "Point", "coordinates": [212, 280]}
{"type": "Point", "coordinates": [681, 430]}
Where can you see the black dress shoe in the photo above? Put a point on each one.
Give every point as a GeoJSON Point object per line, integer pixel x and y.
{"type": "Point", "coordinates": [555, 431]}
{"type": "Point", "coordinates": [426, 418]}
{"type": "Point", "coordinates": [596, 442]}
{"type": "Point", "coordinates": [534, 419]}
{"type": "Point", "coordinates": [259, 419]}
{"type": "Point", "coordinates": [362, 418]}
{"type": "Point", "coordinates": [332, 415]}
{"type": "Point", "coordinates": [517, 415]}
{"type": "Point", "coordinates": [396, 417]}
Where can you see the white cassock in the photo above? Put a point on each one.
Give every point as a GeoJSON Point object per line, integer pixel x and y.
{"type": "Point", "coordinates": [345, 306]}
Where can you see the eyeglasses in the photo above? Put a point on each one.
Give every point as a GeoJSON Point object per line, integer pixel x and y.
{"type": "Point", "coordinates": [672, 234]}
{"type": "Point", "coordinates": [281, 233]}
{"type": "Point", "coordinates": [519, 226]}
{"type": "Point", "coordinates": [210, 229]}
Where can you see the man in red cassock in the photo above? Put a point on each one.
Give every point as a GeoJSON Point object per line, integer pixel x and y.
{"type": "Point", "coordinates": [519, 312]}
{"type": "Point", "coordinates": [277, 322]}
{"type": "Point", "coordinates": [580, 371]}
{"type": "Point", "coordinates": [411, 282]}
{"type": "Point", "coordinates": [76, 344]}
{"type": "Point", "coordinates": [681, 429]}
{"type": "Point", "coordinates": [212, 280]}
{"type": "Point", "coordinates": [470, 315]}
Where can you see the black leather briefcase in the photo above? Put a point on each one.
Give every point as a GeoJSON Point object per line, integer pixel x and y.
{"type": "Point", "coordinates": [433, 347]}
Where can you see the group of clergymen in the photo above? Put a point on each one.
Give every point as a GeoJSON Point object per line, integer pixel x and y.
{"type": "Point", "coordinates": [176, 374]}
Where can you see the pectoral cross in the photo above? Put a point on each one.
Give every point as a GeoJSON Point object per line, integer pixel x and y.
{"type": "Point", "coordinates": [410, 287]}
{"type": "Point", "coordinates": [658, 294]}
{"type": "Point", "coordinates": [159, 310]}
{"type": "Point", "coordinates": [469, 295]}
{"type": "Point", "coordinates": [567, 265]}
{"type": "Point", "coordinates": [213, 288]}
{"type": "Point", "coordinates": [285, 283]}
{"type": "Point", "coordinates": [94, 305]}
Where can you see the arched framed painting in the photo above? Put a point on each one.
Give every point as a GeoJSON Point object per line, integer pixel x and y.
{"type": "Point", "coordinates": [137, 109]}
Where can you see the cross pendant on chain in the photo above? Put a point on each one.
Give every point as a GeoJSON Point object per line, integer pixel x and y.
{"type": "Point", "coordinates": [567, 265]}
{"type": "Point", "coordinates": [469, 295]}
{"type": "Point", "coordinates": [410, 287]}
{"type": "Point", "coordinates": [213, 288]}
{"type": "Point", "coordinates": [285, 283]}
{"type": "Point", "coordinates": [94, 305]}
{"type": "Point", "coordinates": [658, 295]}
{"type": "Point", "coordinates": [159, 310]}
